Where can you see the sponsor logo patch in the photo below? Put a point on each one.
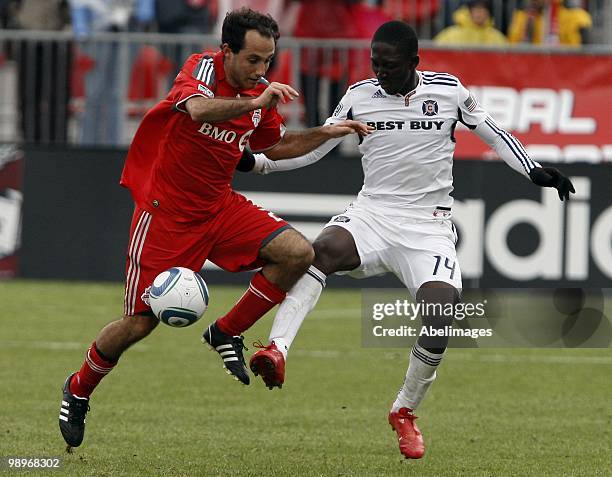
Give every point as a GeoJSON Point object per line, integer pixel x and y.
{"type": "Point", "coordinates": [342, 218]}
{"type": "Point", "coordinates": [206, 91]}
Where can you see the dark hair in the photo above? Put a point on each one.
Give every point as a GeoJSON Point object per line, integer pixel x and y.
{"type": "Point", "coordinates": [238, 22]}
{"type": "Point", "coordinates": [480, 3]}
{"type": "Point", "coordinates": [400, 35]}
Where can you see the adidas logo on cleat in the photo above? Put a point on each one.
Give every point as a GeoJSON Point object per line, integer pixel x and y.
{"type": "Point", "coordinates": [379, 94]}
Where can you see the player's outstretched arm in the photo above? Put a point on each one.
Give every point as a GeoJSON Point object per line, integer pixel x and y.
{"type": "Point", "coordinates": [261, 164]}
{"type": "Point", "coordinates": [206, 110]}
{"type": "Point", "coordinates": [298, 143]}
{"type": "Point", "coordinates": [212, 110]}
{"type": "Point", "coordinates": [514, 154]}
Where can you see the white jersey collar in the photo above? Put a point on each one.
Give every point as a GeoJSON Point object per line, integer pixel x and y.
{"type": "Point", "coordinates": [409, 94]}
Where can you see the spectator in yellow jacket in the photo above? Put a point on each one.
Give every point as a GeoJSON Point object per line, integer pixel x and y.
{"type": "Point", "coordinates": [530, 24]}
{"type": "Point", "coordinates": [474, 26]}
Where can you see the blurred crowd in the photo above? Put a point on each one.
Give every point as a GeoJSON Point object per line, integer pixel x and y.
{"type": "Point", "coordinates": [448, 22]}
{"type": "Point", "coordinates": [565, 22]}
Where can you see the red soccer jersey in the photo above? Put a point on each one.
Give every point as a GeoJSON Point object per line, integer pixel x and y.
{"type": "Point", "coordinates": [181, 167]}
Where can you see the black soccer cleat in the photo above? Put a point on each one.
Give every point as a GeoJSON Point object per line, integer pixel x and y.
{"type": "Point", "coordinates": [72, 416]}
{"type": "Point", "coordinates": [230, 349]}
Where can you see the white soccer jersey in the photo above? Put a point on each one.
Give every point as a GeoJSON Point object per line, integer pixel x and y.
{"type": "Point", "coordinates": [407, 160]}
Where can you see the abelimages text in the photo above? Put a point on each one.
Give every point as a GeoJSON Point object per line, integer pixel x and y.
{"type": "Point", "coordinates": [449, 331]}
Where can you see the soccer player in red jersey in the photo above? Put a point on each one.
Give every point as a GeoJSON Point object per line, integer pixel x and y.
{"type": "Point", "coordinates": [179, 169]}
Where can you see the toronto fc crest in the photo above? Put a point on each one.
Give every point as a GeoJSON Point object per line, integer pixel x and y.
{"type": "Point", "coordinates": [256, 117]}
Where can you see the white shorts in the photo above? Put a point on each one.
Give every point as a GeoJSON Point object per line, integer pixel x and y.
{"type": "Point", "coordinates": [416, 250]}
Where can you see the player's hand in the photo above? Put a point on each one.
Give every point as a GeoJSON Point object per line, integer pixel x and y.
{"type": "Point", "coordinates": [349, 126]}
{"type": "Point", "coordinates": [275, 93]}
{"type": "Point", "coordinates": [551, 177]}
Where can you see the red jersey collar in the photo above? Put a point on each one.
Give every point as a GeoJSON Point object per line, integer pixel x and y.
{"type": "Point", "coordinates": [218, 61]}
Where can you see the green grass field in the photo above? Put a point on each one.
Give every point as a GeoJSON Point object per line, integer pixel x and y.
{"type": "Point", "coordinates": [170, 410]}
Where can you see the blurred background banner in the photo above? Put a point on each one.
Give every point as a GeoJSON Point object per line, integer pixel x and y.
{"type": "Point", "coordinates": [77, 77]}
{"type": "Point", "coordinates": [11, 168]}
{"type": "Point", "coordinates": [76, 216]}
{"type": "Point", "coordinates": [557, 105]}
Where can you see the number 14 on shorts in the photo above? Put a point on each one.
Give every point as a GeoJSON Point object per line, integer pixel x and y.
{"type": "Point", "coordinates": [448, 264]}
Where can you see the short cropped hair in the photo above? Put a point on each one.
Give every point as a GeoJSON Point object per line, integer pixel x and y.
{"type": "Point", "coordinates": [398, 34]}
{"type": "Point", "coordinates": [238, 22]}
{"type": "Point", "coordinates": [480, 3]}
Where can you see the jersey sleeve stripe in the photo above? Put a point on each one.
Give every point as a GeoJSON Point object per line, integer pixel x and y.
{"type": "Point", "coordinates": [439, 75]}
{"type": "Point", "coordinates": [438, 82]}
{"type": "Point", "coordinates": [200, 67]}
{"type": "Point", "coordinates": [364, 82]}
{"type": "Point", "coordinates": [206, 75]}
{"type": "Point", "coordinates": [210, 74]}
{"type": "Point", "coordinates": [511, 142]}
{"type": "Point", "coordinates": [520, 147]}
{"type": "Point", "coordinates": [518, 144]}
{"type": "Point", "coordinates": [204, 68]}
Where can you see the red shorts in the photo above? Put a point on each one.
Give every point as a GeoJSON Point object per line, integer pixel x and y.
{"type": "Point", "coordinates": [230, 239]}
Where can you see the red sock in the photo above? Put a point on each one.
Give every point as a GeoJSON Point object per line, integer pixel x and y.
{"type": "Point", "coordinates": [260, 298]}
{"type": "Point", "coordinates": [91, 373]}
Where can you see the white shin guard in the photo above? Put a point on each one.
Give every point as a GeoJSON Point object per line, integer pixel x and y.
{"type": "Point", "coordinates": [421, 373]}
{"type": "Point", "coordinates": [300, 300]}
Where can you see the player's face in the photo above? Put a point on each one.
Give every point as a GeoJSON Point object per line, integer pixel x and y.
{"type": "Point", "coordinates": [394, 70]}
{"type": "Point", "coordinates": [245, 68]}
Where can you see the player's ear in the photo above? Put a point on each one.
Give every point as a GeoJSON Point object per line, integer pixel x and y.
{"type": "Point", "coordinates": [415, 61]}
{"type": "Point", "coordinates": [225, 48]}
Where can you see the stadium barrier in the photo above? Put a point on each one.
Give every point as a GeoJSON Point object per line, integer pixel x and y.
{"type": "Point", "coordinates": [76, 218]}
{"type": "Point", "coordinates": [11, 199]}
{"type": "Point", "coordinates": [560, 117]}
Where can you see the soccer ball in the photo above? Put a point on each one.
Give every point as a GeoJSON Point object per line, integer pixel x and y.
{"type": "Point", "coordinates": [178, 297]}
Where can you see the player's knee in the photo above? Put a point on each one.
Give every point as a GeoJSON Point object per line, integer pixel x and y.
{"type": "Point", "coordinates": [330, 258]}
{"type": "Point", "coordinates": [439, 299]}
{"type": "Point", "coordinates": [302, 256]}
{"type": "Point", "coordinates": [438, 293]}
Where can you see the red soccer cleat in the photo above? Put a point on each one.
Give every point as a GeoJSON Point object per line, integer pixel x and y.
{"type": "Point", "coordinates": [269, 362]}
{"type": "Point", "coordinates": [408, 434]}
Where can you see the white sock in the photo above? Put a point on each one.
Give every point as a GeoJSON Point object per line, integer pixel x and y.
{"type": "Point", "coordinates": [421, 373]}
{"type": "Point", "coordinates": [297, 304]}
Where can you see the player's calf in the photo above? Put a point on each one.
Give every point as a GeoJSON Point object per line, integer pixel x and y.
{"type": "Point", "coordinates": [118, 336]}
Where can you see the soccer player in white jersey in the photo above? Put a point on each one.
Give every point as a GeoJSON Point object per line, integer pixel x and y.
{"type": "Point", "coordinates": [400, 221]}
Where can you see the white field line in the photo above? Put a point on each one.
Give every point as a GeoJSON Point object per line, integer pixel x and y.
{"type": "Point", "coordinates": [481, 357]}
{"type": "Point", "coordinates": [55, 345]}
{"type": "Point", "coordinates": [334, 354]}
{"type": "Point", "coordinates": [337, 313]}
{"type": "Point", "coordinates": [528, 358]}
